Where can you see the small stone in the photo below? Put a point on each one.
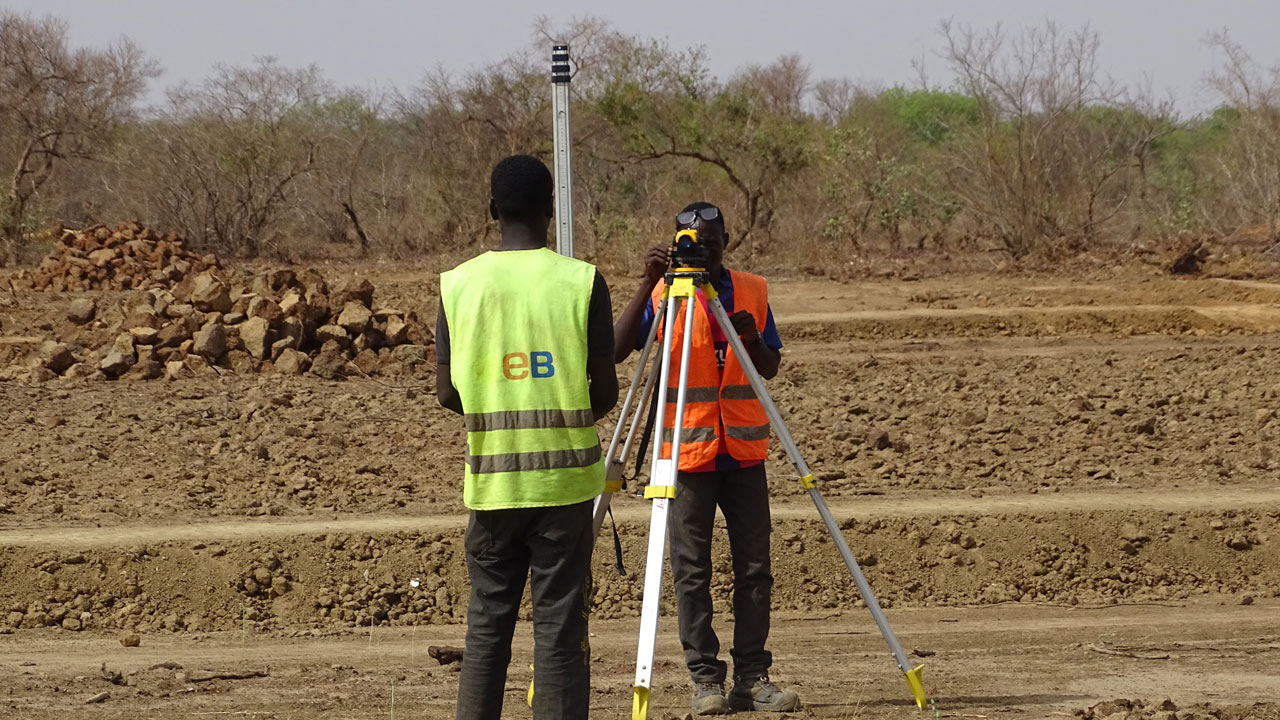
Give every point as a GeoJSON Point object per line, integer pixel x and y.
{"type": "Point", "coordinates": [80, 370]}
{"type": "Point", "coordinates": [130, 640]}
{"type": "Point", "coordinates": [1142, 427]}
{"type": "Point", "coordinates": [257, 337]}
{"type": "Point", "coordinates": [366, 361]}
{"type": "Point", "coordinates": [82, 311]}
{"type": "Point", "coordinates": [292, 362]}
{"type": "Point", "coordinates": [1238, 541]}
{"type": "Point", "coordinates": [211, 341]}
{"type": "Point", "coordinates": [291, 304]}
{"type": "Point", "coordinates": [878, 439]}
{"type": "Point", "coordinates": [1080, 404]}
{"type": "Point", "coordinates": [56, 356]}
{"type": "Point", "coordinates": [144, 335]}
{"type": "Point", "coordinates": [329, 364]}
{"type": "Point", "coordinates": [197, 365]}
{"type": "Point", "coordinates": [175, 369]}
{"type": "Point", "coordinates": [410, 354]}
{"type": "Point", "coordinates": [397, 332]}
{"type": "Point", "coordinates": [116, 362]}
{"type": "Point", "coordinates": [354, 318]}
{"type": "Point", "coordinates": [209, 294]}
{"type": "Point", "coordinates": [292, 328]}
{"type": "Point", "coordinates": [70, 623]}
{"type": "Point", "coordinates": [171, 335]}
{"type": "Point", "coordinates": [353, 290]}
{"type": "Point", "coordinates": [179, 310]}
{"type": "Point", "coordinates": [265, 308]}
{"type": "Point", "coordinates": [325, 333]}
{"type": "Point", "coordinates": [241, 362]}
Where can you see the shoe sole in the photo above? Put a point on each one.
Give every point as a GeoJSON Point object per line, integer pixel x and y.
{"type": "Point", "coordinates": [749, 705]}
{"type": "Point", "coordinates": [716, 710]}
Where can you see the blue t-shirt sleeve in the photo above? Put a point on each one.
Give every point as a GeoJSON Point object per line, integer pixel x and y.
{"type": "Point", "coordinates": [770, 334]}
{"type": "Point", "coordinates": [646, 321]}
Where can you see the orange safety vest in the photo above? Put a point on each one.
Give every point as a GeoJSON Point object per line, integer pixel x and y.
{"type": "Point", "coordinates": [712, 397]}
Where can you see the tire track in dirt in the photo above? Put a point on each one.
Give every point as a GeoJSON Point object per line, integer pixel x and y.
{"type": "Point", "coordinates": [1214, 498]}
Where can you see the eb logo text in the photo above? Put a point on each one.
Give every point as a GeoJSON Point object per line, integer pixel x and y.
{"type": "Point", "coordinates": [518, 366]}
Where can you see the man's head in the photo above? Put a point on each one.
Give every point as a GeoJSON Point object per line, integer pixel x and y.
{"type": "Point", "coordinates": [708, 220]}
{"type": "Point", "coordinates": [521, 190]}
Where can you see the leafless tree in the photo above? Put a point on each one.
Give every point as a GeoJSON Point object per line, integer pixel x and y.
{"type": "Point", "coordinates": [1049, 167]}
{"type": "Point", "coordinates": [1248, 168]}
{"type": "Point", "coordinates": [227, 153]}
{"type": "Point", "coordinates": [58, 105]}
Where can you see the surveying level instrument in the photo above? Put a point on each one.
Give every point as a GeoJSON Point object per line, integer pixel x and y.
{"type": "Point", "coordinates": [560, 148]}
{"type": "Point", "coordinates": [682, 285]}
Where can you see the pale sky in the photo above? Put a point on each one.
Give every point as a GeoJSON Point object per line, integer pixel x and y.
{"type": "Point", "coordinates": [378, 43]}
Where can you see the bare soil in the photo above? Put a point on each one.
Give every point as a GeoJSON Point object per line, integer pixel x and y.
{"type": "Point", "coordinates": [1077, 504]}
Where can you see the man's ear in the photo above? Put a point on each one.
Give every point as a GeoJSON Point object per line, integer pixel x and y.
{"type": "Point", "coordinates": [551, 207]}
{"type": "Point", "coordinates": [493, 208]}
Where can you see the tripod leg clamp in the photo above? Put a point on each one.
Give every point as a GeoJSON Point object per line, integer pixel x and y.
{"type": "Point", "coordinates": [613, 486]}
{"type": "Point", "coordinates": [807, 482]}
{"type": "Point", "coordinates": [652, 492]}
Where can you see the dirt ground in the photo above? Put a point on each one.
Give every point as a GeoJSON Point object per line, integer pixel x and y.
{"type": "Point", "coordinates": [1063, 490]}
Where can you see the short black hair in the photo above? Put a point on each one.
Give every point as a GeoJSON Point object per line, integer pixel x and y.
{"type": "Point", "coordinates": [521, 187]}
{"type": "Point", "coordinates": [701, 205]}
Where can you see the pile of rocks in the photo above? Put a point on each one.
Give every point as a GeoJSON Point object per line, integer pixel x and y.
{"type": "Point", "coordinates": [283, 322]}
{"type": "Point", "coordinates": [131, 257]}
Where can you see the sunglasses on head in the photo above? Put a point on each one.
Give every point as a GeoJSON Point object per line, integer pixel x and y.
{"type": "Point", "coordinates": [688, 217]}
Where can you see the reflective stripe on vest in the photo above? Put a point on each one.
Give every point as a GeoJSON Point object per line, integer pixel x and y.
{"type": "Point", "coordinates": [713, 397]}
{"type": "Point", "coordinates": [518, 357]}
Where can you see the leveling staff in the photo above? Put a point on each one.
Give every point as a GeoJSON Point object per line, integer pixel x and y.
{"type": "Point", "coordinates": [524, 347]}
{"type": "Point", "coordinates": [723, 444]}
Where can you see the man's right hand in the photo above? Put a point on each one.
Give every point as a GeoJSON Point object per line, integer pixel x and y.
{"type": "Point", "coordinates": [656, 262]}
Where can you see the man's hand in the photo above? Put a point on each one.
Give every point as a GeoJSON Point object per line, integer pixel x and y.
{"type": "Point", "coordinates": [656, 262]}
{"type": "Point", "coordinates": [745, 324]}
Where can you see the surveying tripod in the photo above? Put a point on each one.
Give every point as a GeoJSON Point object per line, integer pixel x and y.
{"type": "Point", "coordinates": [683, 284]}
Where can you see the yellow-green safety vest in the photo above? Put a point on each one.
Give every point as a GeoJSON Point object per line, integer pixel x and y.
{"type": "Point", "coordinates": [518, 358]}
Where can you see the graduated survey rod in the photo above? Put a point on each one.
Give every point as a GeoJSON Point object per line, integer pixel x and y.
{"type": "Point", "coordinates": [913, 675]}
{"type": "Point", "coordinates": [560, 148]}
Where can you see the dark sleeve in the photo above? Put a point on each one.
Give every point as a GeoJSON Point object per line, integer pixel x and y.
{"type": "Point", "coordinates": [442, 337]}
{"type": "Point", "coordinates": [770, 334]}
{"type": "Point", "coordinates": [599, 319]}
{"type": "Point", "coordinates": [646, 322]}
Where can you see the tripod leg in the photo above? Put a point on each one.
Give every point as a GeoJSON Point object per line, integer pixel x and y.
{"type": "Point", "coordinates": [661, 490]}
{"type": "Point", "coordinates": [913, 675]}
{"type": "Point", "coordinates": [616, 458]}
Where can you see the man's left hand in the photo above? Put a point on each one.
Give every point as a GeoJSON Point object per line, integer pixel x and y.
{"type": "Point", "coordinates": [745, 323]}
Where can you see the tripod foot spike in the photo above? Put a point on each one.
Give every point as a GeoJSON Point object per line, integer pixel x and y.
{"type": "Point", "coordinates": [916, 682]}
{"type": "Point", "coordinates": [640, 704]}
{"type": "Point", "coordinates": [529, 698]}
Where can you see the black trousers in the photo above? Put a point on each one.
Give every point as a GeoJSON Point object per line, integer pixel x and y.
{"type": "Point", "coordinates": [743, 497]}
{"type": "Point", "coordinates": [552, 546]}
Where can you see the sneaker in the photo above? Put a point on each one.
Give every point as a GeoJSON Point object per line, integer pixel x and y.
{"type": "Point", "coordinates": [708, 699]}
{"type": "Point", "coordinates": [759, 694]}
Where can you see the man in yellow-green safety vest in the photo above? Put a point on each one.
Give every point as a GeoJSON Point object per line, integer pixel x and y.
{"type": "Point", "coordinates": [524, 346]}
